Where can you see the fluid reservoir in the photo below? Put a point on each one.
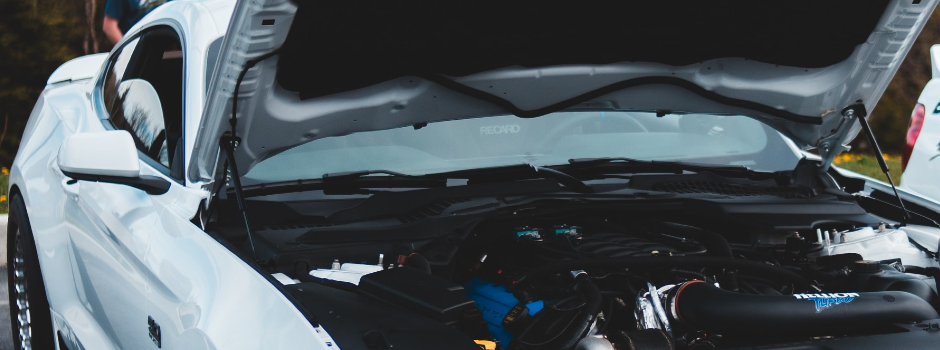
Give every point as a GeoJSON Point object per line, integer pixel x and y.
{"type": "Point", "coordinates": [496, 302]}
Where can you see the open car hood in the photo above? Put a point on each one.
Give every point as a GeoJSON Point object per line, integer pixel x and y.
{"type": "Point", "coordinates": [334, 68]}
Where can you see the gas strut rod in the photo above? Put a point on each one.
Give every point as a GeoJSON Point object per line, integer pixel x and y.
{"type": "Point", "coordinates": [858, 111]}
{"type": "Point", "coordinates": [228, 144]}
{"type": "Point", "coordinates": [230, 141]}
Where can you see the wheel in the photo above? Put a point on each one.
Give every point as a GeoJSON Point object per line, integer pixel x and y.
{"type": "Point", "coordinates": [30, 318]}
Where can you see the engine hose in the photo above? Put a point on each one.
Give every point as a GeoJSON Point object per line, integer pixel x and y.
{"type": "Point", "coordinates": [715, 243]}
{"type": "Point", "coordinates": [419, 262]}
{"type": "Point", "coordinates": [577, 329]}
{"type": "Point", "coordinates": [704, 307]}
{"type": "Point", "coordinates": [698, 275]}
{"type": "Point", "coordinates": [926, 271]}
{"type": "Point", "coordinates": [665, 261]}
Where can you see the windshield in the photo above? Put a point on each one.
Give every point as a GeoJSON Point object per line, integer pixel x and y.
{"type": "Point", "coordinates": [547, 140]}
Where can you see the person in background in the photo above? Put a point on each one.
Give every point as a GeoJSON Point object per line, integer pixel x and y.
{"type": "Point", "coordinates": [121, 15]}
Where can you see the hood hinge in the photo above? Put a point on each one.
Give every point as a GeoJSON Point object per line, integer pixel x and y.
{"type": "Point", "coordinates": [830, 146]}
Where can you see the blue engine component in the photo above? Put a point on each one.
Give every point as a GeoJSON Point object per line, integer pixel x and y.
{"type": "Point", "coordinates": [495, 302]}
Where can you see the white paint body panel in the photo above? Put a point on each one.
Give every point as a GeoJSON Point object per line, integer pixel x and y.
{"type": "Point", "coordinates": [79, 68]}
{"type": "Point", "coordinates": [922, 174]}
{"type": "Point", "coordinates": [112, 255]}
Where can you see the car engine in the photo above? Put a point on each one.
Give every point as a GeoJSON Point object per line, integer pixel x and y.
{"type": "Point", "coordinates": [599, 280]}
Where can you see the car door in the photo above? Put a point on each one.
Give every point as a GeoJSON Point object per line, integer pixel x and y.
{"type": "Point", "coordinates": [112, 226]}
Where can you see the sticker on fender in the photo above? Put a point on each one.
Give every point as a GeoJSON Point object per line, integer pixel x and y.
{"type": "Point", "coordinates": [827, 300]}
{"type": "Point", "coordinates": [326, 338]}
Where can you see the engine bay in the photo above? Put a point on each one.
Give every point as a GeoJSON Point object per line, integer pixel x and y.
{"type": "Point", "coordinates": [600, 276]}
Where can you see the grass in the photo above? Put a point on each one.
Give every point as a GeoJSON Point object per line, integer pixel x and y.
{"type": "Point", "coordinates": [867, 165]}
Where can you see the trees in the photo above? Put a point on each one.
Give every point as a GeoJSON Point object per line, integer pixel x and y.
{"type": "Point", "coordinates": [890, 117]}
{"type": "Point", "coordinates": [36, 36]}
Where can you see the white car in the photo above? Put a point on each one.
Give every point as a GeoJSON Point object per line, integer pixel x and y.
{"type": "Point", "coordinates": [270, 174]}
{"type": "Point", "coordinates": [922, 143]}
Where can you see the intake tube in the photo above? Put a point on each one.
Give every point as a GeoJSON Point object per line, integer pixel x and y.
{"type": "Point", "coordinates": [703, 306]}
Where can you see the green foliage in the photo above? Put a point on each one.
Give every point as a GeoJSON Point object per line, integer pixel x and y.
{"type": "Point", "coordinates": [867, 165]}
{"type": "Point", "coordinates": [34, 40]}
{"type": "Point", "coordinates": [36, 36]}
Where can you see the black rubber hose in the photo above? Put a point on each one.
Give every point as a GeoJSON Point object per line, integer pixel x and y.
{"type": "Point", "coordinates": [419, 262]}
{"type": "Point", "coordinates": [926, 271]}
{"type": "Point", "coordinates": [754, 253]}
{"type": "Point", "coordinates": [687, 273]}
{"type": "Point", "coordinates": [666, 261]}
{"type": "Point", "coordinates": [716, 244]}
{"type": "Point", "coordinates": [568, 339]}
{"type": "Point", "coordinates": [706, 307]}
{"type": "Point", "coordinates": [592, 299]}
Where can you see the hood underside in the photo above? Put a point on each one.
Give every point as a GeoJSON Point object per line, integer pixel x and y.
{"type": "Point", "coordinates": [334, 48]}
{"type": "Point", "coordinates": [340, 68]}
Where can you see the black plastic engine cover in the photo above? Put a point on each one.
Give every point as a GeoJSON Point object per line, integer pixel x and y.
{"type": "Point", "coordinates": [429, 295]}
{"type": "Point", "coordinates": [358, 322]}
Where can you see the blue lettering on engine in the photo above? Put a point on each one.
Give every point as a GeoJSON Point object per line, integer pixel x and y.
{"type": "Point", "coordinates": [826, 300]}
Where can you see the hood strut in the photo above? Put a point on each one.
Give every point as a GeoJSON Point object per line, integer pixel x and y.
{"type": "Point", "coordinates": [858, 111]}
{"type": "Point", "coordinates": [230, 140]}
{"type": "Point", "coordinates": [228, 143]}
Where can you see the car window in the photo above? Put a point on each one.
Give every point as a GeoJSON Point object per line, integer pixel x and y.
{"type": "Point", "coordinates": [143, 94]}
{"type": "Point", "coordinates": [547, 140]}
{"type": "Point", "coordinates": [115, 74]}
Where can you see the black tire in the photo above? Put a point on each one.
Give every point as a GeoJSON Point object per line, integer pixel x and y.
{"type": "Point", "coordinates": [31, 325]}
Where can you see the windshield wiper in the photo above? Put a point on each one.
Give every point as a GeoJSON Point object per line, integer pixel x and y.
{"type": "Point", "coordinates": [627, 165]}
{"type": "Point", "coordinates": [346, 182]}
{"type": "Point", "coordinates": [362, 173]}
{"type": "Point", "coordinates": [508, 173]}
{"type": "Point", "coordinates": [564, 179]}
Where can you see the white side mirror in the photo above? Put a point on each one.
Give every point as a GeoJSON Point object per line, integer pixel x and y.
{"type": "Point", "coordinates": [109, 156]}
{"type": "Point", "coordinates": [109, 153]}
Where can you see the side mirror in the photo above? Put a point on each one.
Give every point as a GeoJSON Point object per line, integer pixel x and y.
{"type": "Point", "coordinates": [109, 156]}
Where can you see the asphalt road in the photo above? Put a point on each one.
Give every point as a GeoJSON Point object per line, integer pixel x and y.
{"type": "Point", "coordinates": [6, 336]}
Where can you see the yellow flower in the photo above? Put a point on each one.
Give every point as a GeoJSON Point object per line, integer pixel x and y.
{"type": "Point", "coordinates": [5, 171]}
{"type": "Point", "coordinates": [3, 198]}
{"type": "Point", "coordinates": [844, 157]}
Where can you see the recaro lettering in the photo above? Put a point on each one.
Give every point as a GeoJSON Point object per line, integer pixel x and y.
{"type": "Point", "coordinates": [500, 129]}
